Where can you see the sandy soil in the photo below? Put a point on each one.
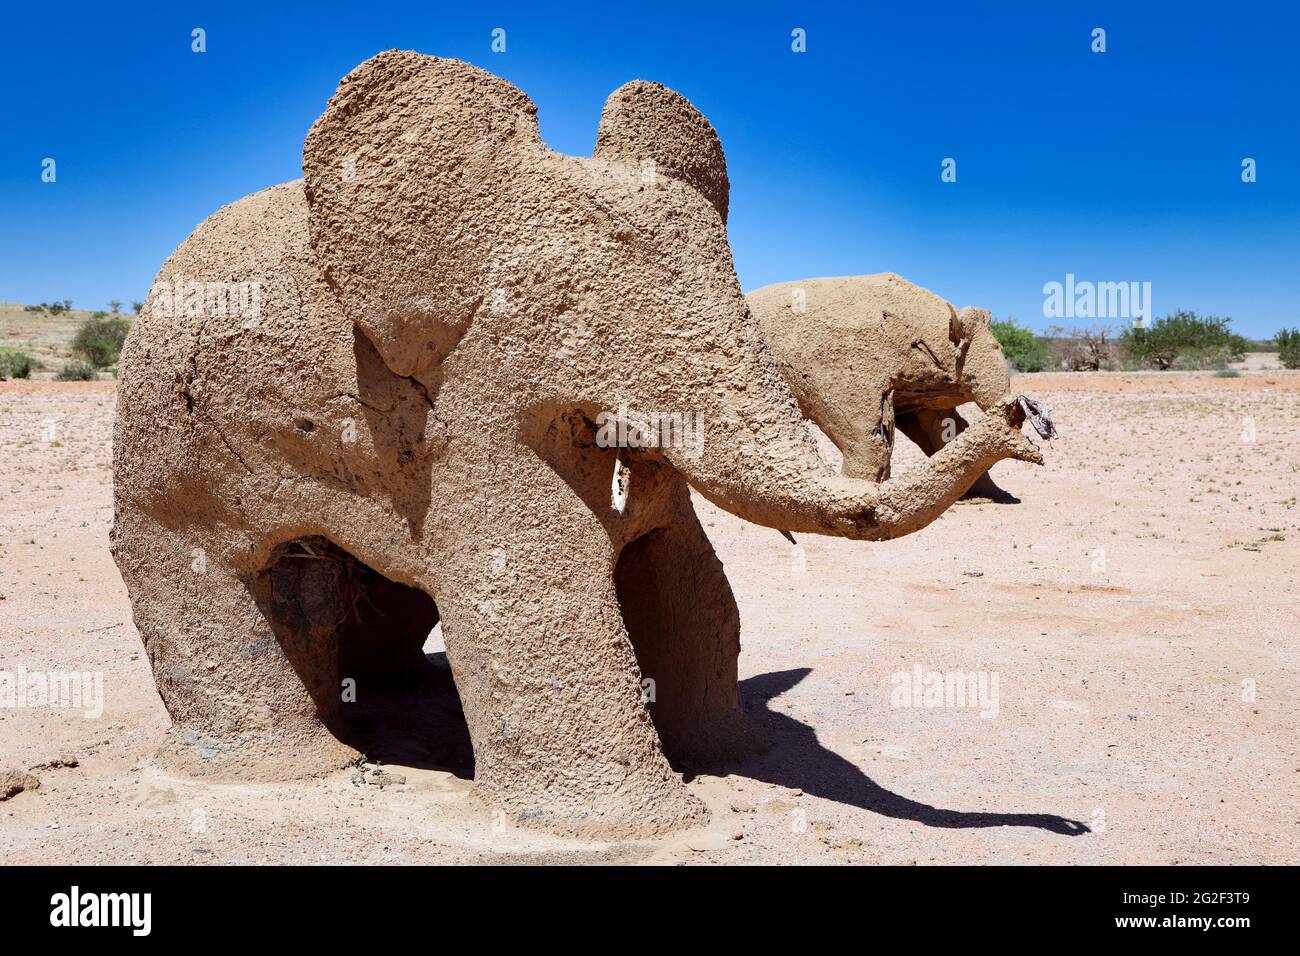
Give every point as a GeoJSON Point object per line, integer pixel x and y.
{"type": "Point", "coordinates": [1138, 607]}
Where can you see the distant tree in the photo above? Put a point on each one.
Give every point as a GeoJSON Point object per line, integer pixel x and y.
{"type": "Point", "coordinates": [1288, 348]}
{"type": "Point", "coordinates": [1082, 349]}
{"type": "Point", "coordinates": [99, 339]}
{"type": "Point", "coordinates": [1185, 339]}
{"type": "Point", "coordinates": [67, 305]}
{"type": "Point", "coordinates": [115, 306]}
{"type": "Point", "coordinates": [1023, 349]}
{"type": "Point", "coordinates": [136, 307]}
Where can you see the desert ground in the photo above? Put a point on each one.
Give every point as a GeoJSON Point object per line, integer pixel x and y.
{"type": "Point", "coordinates": [1137, 607]}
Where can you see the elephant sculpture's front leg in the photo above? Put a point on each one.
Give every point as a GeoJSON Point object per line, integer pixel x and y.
{"type": "Point", "coordinates": [545, 669]}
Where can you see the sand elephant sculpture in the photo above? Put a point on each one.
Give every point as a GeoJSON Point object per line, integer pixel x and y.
{"type": "Point", "coordinates": [394, 420]}
{"type": "Point", "coordinates": [867, 354]}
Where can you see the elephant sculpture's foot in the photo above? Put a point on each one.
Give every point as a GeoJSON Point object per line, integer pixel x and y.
{"type": "Point", "coordinates": [640, 806]}
{"type": "Point", "coordinates": [287, 753]}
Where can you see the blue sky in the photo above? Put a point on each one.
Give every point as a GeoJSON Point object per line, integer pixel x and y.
{"type": "Point", "coordinates": [1122, 166]}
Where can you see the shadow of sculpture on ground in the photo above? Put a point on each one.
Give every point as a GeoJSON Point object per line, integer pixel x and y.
{"type": "Point", "coordinates": [422, 725]}
{"type": "Point", "coordinates": [797, 760]}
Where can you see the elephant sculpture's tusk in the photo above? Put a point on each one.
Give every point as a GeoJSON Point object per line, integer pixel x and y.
{"type": "Point", "coordinates": [621, 484]}
{"type": "Point", "coordinates": [887, 418]}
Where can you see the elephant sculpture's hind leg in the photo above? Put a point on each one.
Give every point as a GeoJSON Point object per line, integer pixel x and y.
{"type": "Point", "coordinates": [684, 625]}
{"type": "Point", "coordinates": [239, 709]}
{"type": "Point", "coordinates": [931, 429]}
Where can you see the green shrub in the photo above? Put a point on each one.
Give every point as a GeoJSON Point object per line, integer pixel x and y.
{"type": "Point", "coordinates": [1023, 349]}
{"type": "Point", "coordinates": [15, 364]}
{"type": "Point", "coordinates": [99, 340]}
{"type": "Point", "coordinates": [1288, 348]}
{"type": "Point", "coordinates": [1185, 340]}
{"type": "Point", "coordinates": [77, 371]}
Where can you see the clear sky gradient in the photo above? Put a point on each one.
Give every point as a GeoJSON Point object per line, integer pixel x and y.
{"type": "Point", "coordinates": [1122, 166]}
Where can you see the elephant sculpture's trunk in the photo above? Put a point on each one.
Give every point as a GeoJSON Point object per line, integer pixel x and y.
{"type": "Point", "coordinates": [913, 499]}
{"type": "Point", "coordinates": [770, 473]}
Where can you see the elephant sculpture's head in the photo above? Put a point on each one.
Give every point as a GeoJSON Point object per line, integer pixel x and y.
{"type": "Point", "coordinates": [951, 354]}
{"type": "Point", "coordinates": [978, 366]}
{"type": "Point", "coordinates": [455, 239]}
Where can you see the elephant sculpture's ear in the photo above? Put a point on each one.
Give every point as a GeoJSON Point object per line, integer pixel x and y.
{"type": "Point", "coordinates": [407, 174]}
{"type": "Point", "coordinates": [974, 321]}
{"type": "Point", "coordinates": [646, 121]}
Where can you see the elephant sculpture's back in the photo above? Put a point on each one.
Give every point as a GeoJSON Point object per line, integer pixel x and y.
{"type": "Point", "coordinates": [249, 400]}
{"type": "Point", "coordinates": [241, 372]}
{"type": "Point", "coordinates": [875, 316]}
{"type": "Point", "coordinates": [214, 348]}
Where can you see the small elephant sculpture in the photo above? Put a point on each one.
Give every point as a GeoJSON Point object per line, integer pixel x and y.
{"type": "Point", "coordinates": [867, 354]}
{"type": "Point", "coordinates": [362, 404]}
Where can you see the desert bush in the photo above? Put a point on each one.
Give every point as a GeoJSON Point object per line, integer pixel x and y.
{"type": "Point", "coordinates": [99, 340]}
{"type": "Point", "coordinates": [1184, 340]}
{"type": "Point", "coordinates": [15, 364]}
{"type": "Point", "coordinates": [77, 371]}
{"type": "Point", "coordinates": [1288, 348]}
{"type": "Point", "coordinates": [1023, 349]}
